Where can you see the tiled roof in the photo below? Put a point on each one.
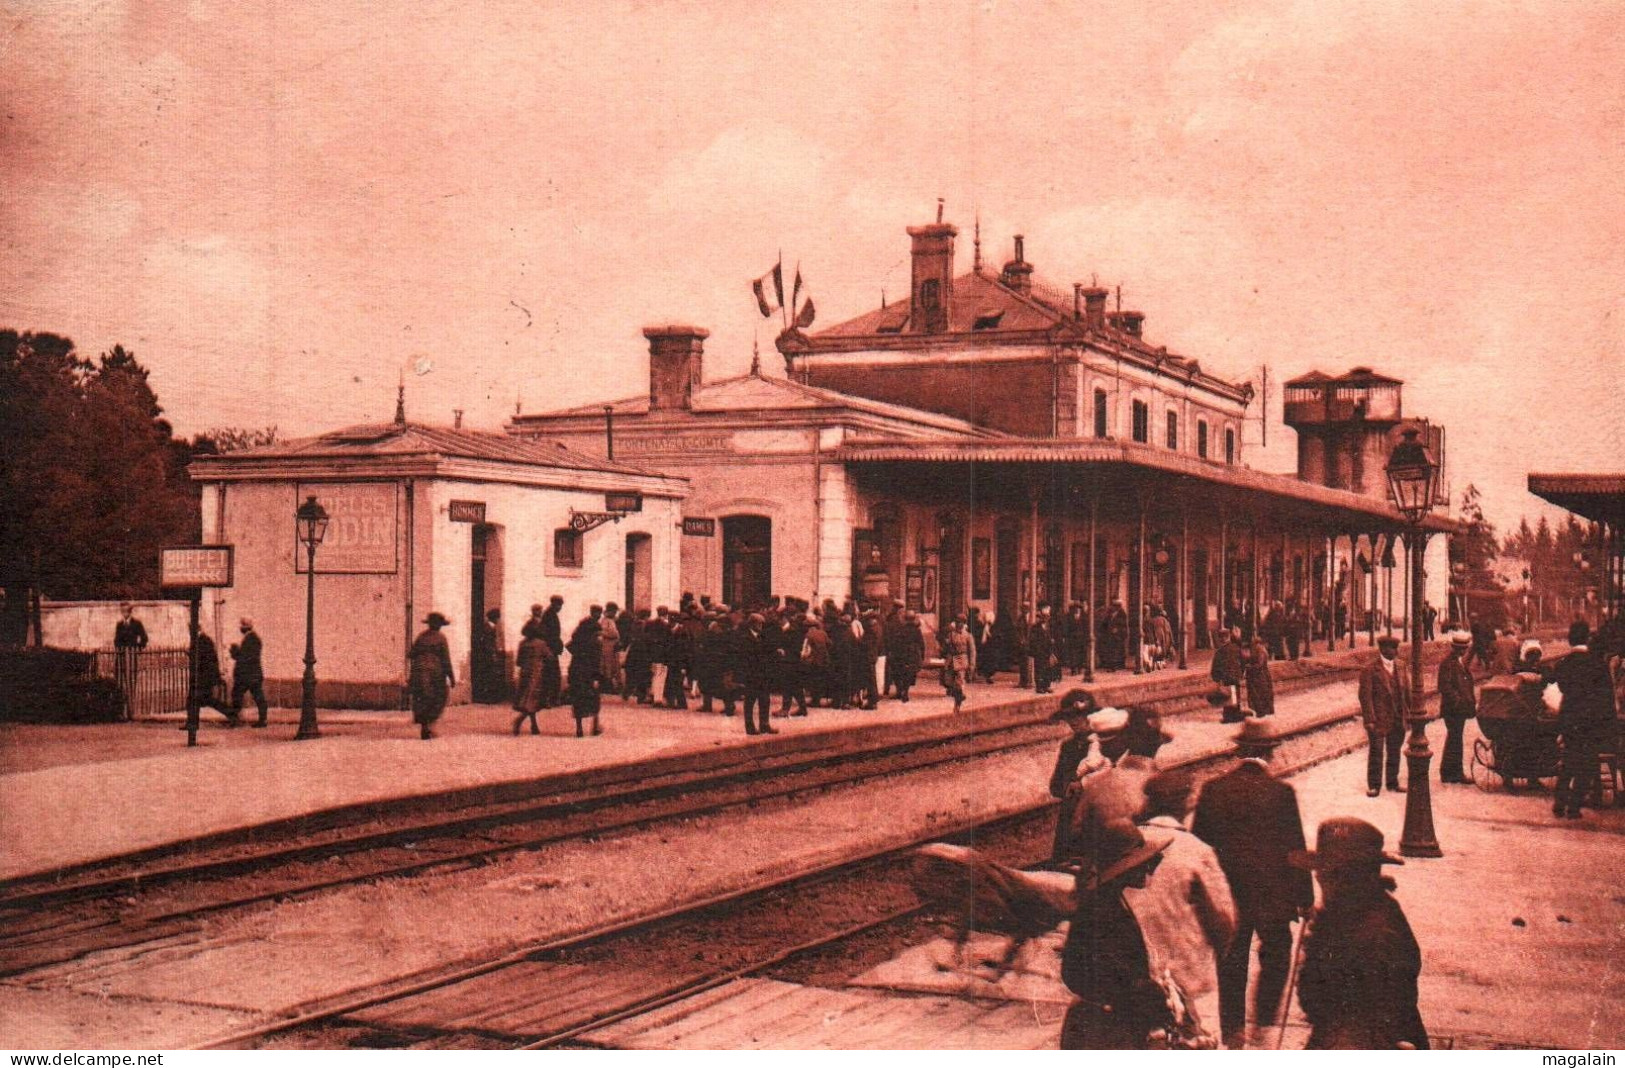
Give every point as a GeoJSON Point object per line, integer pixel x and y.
{"type": "Point", "coordinates": [762, 392]}
{"type": "Point", "coordinates": [1599, 497]}
{"type": "Point", "coordinates": [976, 297]}
{"type": "Point", "coordinates": [416, 439]}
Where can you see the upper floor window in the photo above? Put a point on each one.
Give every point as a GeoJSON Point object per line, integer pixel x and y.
{"type": "Point", "coordinates": [1201, 438]}
{"type": "Point", "coordinates": [1100, 413]}
{"type": "Point", "coordinates": [1142, 422]}
{"type": "Point", "coordinates": [1173, 429]}
{"type": "Point", "coordinates": [1229, 445]}
{"type": "Point", "coordinates": [567, 548]}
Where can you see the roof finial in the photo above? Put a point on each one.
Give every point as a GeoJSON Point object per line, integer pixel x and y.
{"type": "Point", "coordinates": [400, 400]}
{"type": "Point", "coordinates": [976, 260]}
{"type": "Point", "coordinates": [755, 358]}
{"type": "Point", "coordinates": [939, 209]}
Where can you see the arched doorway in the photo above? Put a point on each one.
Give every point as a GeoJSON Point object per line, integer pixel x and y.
{"type": "Point", "coordinates": [747, 560]}
{"type": "Point", "coordinates": [639, 571]}
{"type": "Point", "coordinates": [487, 669]}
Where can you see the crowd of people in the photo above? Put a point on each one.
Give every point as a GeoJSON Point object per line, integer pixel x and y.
{"type": "Point", "coordinates": [1175, 887]}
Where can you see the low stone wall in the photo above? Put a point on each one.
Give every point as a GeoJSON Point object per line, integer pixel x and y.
{"type": "Point", "coordinates": [88, 625]}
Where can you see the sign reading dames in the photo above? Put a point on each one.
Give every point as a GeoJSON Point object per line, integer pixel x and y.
{"type": "Point", "coordinates": [362, 528]}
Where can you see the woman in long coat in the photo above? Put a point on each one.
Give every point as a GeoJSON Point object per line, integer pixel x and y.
{"type": "Point", "coordinates": [1260, 687]}
{"type": "Point", "coordinates": [534, 658]}
{"type": "Point", "coordinates": [586, 664]}
{"type": "Point", "coordinates": [431, 674]}
{"type": "Point", "coordinates": [905, 652]}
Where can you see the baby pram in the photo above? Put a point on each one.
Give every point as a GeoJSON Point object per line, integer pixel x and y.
{"type": "Point", "coordinates": [1519, 743]}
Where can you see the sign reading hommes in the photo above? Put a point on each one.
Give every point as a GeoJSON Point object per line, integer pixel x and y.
{"type": "Point", "coordinates": [362, 529]}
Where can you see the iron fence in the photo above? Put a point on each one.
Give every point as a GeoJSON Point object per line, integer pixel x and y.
{"type": "Point", "coordinates": [153, 680]}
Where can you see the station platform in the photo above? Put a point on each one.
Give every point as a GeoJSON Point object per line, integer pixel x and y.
{"type": "Point", "coordinates": [79, 795]}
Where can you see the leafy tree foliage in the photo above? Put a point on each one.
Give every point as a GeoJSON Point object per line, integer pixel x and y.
{"type": "Point", "coordinates": [93, 477]}
{"type": "Point", "coordinates": [1473, 555]}
{"type": "Point", "coordinates": [221, 439]}
{"type": "Point", "coordinates": [1557, 582]}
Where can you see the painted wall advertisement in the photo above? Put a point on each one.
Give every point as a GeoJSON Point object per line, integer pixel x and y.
{"type": "Point", "coordinates": [363, 528]}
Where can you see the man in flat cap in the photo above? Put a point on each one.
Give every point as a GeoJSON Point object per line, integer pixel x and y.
{"type": "Point", "coordinates": [1385, 702]}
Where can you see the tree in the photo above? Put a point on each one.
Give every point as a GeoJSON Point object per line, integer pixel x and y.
{"type": "Point", "coordinates": [1474, 553]}
{"type": "Point", "coordinates": [94, 479]}
{"type": "Point", "coordinates": [222, 439]}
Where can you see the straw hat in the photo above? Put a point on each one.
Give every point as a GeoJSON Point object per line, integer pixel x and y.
{"type": "Point", "coordinates": [1120, 848]}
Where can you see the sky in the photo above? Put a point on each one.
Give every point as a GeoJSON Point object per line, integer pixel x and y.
{"type": "Point", "coordinates": [283, 208]}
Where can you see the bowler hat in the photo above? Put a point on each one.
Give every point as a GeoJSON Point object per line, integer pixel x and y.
{"type": "Point", "coordinates": [435, 619]}
{"type": "Point", "coordinates": [1120, 847]}
{"type": "Point", "coordinates": [1075, 704]}
{"type": "Point", "coordinates": [1343, 842]}
{"type": "Point", "coordinates": [1387, 641]}
{"type": "Point", "coordinates": [1169, 792]}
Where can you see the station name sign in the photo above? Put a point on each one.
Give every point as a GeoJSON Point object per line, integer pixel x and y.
{"type": "Point", "coordinates": [193, 566]}
{"type": "Point", "coordinates": [467, 511]}
{"type": "Point", "coordinates": [697, 527]}
{"type": "Point", "coordinates": [623, 502]}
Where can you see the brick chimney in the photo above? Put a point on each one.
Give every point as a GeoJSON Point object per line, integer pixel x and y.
{"type": "Point", "coordinates": [933, 282]}
{"type": "Point", "coordinates": [676, 353]}
{"type": "Point", "coordinates": [1018, 273]}
{"type": "Point", "coordinates": [1094, 307]}
{"type": "Point", "coordinates": [1129, 322]}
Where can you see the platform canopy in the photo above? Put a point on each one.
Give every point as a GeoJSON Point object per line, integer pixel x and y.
{"type": "Point", "coordinates": [1600, 498]}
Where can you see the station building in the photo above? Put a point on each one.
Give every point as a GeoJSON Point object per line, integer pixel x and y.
{"type": "Point", "coordinates": [992, 441]}
{"type": "Point", "coordinates": [424, 518]}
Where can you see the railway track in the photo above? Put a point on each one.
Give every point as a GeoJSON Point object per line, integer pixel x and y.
{"type": "Point", "coordinates": [52, 920]}
{"type": "Point", "coordinates": [559, 992]}
{"type": "Point", "coordinates": [56, 924]}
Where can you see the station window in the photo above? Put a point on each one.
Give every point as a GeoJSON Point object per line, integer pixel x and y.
{"type": "Point", "coordinates": [1201, 438]}
{"type": "Point", "coordinates": [1173, 429]}
{"type": "Point", "coordinates": [1100, 413]}
{"type": "Point", "coordinates": [567, 548]}
{"type": "Point", "coordinates": [1142, 422]}
{"type": "Point", "coordinates": [1229, 445]}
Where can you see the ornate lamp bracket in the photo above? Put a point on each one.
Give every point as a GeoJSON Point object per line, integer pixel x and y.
{"type": "Point", "coordinates": [585, 521]}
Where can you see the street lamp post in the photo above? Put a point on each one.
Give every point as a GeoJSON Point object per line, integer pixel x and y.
{"type": "Point", "coordinates": [1412, 482]}
{"type": "Point", "coordinates": [312, 522]}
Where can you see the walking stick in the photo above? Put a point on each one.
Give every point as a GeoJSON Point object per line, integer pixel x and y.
{"type": "Point", "coordinates": [1291, 982]}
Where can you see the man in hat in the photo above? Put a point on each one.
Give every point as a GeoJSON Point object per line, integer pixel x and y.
{"type": "Point", "coordinates": [758, 655]}
{"type": "Point", "coordinates": [1585, 719]}
{"type": "Point", "coordinates": [247, 673]}
{"type": "Point", "coordinates": [1226, 670]}
{"type": "Point", "coordinates": [1187, 911]}
{"type": "Point", "coordinates": [1104, 961]}
{"type": "Point", "coordinates": [1457, 705]}
{"type": "Point", "coordinates": [431, 674]}
{"type": "Point", "coordinates": [1251, 820]}
{"type": "Point", "coordinates": [1357, 985]}
{"type": "Point", "coordinates": [1129, 741]}
{"type": "Point", "coordinates": [129, 638]}
{"type": "Point", "coordinates": [1385, 702]}
{"type": "Point", "coordinates": [1076, 708]}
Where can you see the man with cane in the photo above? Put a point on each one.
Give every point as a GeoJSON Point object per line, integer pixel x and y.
{"type": "Point", "coordinates": [1251, 820]}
